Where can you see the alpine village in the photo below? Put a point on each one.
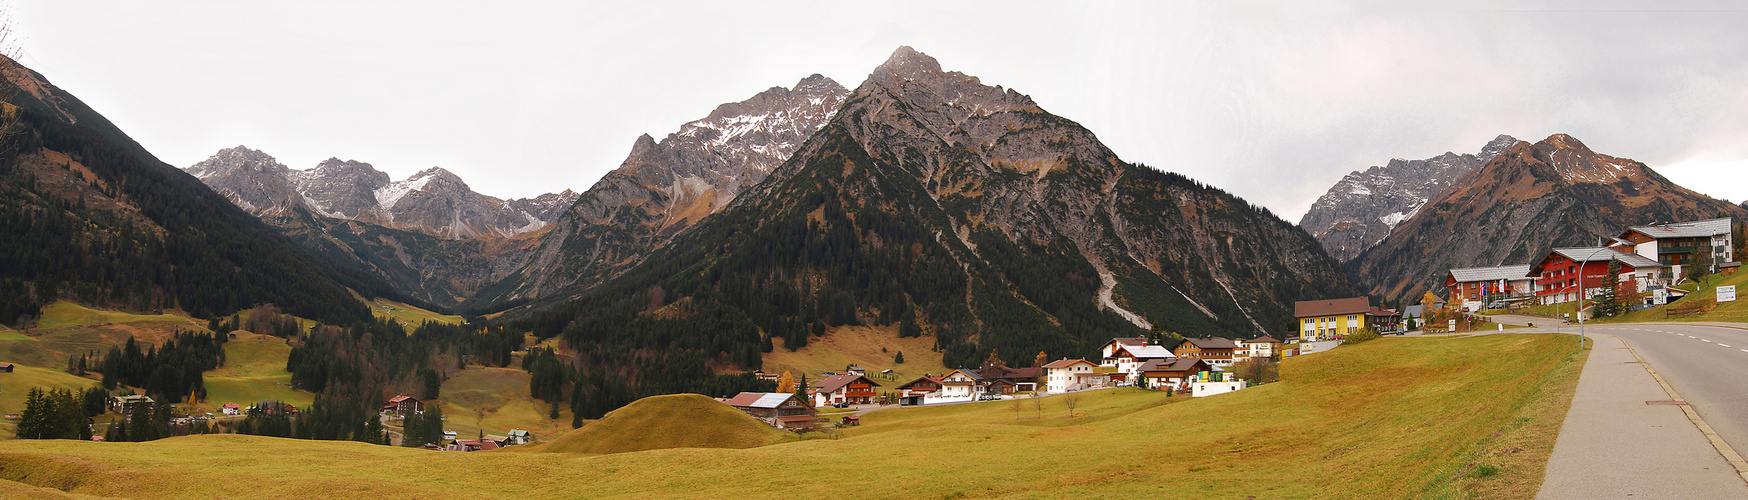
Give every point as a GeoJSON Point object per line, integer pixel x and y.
{"type": "Point", "coordinates": [921, 285]}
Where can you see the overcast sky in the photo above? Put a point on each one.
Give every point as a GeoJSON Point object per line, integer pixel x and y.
{"type": "Point", "coordinates": [1272, 103]}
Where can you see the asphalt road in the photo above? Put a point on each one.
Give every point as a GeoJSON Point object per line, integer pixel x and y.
{"type": "Point", "coordinates": [1707, 365]}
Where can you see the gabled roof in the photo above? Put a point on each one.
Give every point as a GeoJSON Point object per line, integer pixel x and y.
{"type": "Point", "coordinates": [1065, 363]}
{"type": "Point", "coordinates": [835, 382]}
{"type": "Point", "coordinates": [1491, 274]}
{"type": "Point", "coordinates": [1331, 307]}
{"type": "Point", "coordinates": [1146, 351]}
{"type": "Point", "coordinates": [757, 400]}
{"type": "Point", "coordinates": [968, 373]}
{"type": "Point", "coordinates": [1597, 254]}
{"type": "Point", "coordinates": [1693, 229]}
{"type": "Point", "coordinates": [1263, 339]}
{"type": "Point", "coordinates": [1175, 365]}
{"type": "Point", "coordinates": [908, 385]}
{"type": "Point", "coordinates": [398, 399]}
{"type": "Point", "coordinates": [1213, 343]}
{"type": "Point", "coordinates": [1123, 341]}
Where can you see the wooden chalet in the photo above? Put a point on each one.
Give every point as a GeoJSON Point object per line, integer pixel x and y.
{"type": "Point", "coordinates": [1217, 351]}
{"type": "Point", "coordinates": [1010, 380]}
{"type": "Point", "coordinates": [844, 388]}
{"type": "Point", "coordinates": [783, 410]}
{"type": "Point", "coordinates": [1111, 348]}
{"type": "Point", "coordinates": [125, 405]}
{"type": "Point", "coordinates": [403, 406]}
{"type": "Point", "coordinates": [1171, 373]}
{"type": "Point", "coordinates": [5, 367]}
{"type": "Point", "coordinates": [918, 391]}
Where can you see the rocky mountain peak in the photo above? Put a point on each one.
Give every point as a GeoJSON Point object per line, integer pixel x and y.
{"type": "Point", "coordinates": [1365, 206]}
{"type": "Point", "coordinates": [1577, 163]}
{"type": "Point", "coordinates": [251, 179]}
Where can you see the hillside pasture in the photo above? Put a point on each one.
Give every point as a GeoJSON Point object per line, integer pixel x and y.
{"type": "Point", "coordinates": [67, 329]}
{"type": "Point", "coordinates": [254, 371]}
{"type": "Point", "coordinates": [861, 346]}
{"type": "Point", "coordinates": [16, 385]}
{"type": "Point", "coordinates": [496, 400]}
{"type": "Point", "coordinates": [664, 422]}
{"type": "Point", "coordinates": [1463, 417]}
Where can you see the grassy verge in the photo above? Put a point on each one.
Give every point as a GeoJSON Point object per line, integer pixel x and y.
{"type": "Point", "coordinates": [1468, 417]}
{"type": "Point", "coordinates": [1704, 298]}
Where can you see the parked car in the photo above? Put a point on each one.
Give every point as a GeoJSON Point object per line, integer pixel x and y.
{"type": "Point", "coordinates": [1498, 304]}
{"type": "Point", "coordinates": [841, 404]}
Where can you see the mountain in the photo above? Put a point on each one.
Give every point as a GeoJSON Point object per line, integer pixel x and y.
{"type": "Point", "coordinates": [940, 206]}
{"type": "Point", "coordinates": [1528, 199]}
{"type": "Point", "coordinates": [435, 201]}
{"type": "Point", "coordinates": [1361, 209]}
{"type": "Point", "coordinates": [88, 214]}
{"type": "Point", "coordinates": [430, 237]}
{"type": "Point", "coordinates": [663, 189]}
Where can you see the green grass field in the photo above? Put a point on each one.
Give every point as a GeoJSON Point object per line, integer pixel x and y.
{"type": "Point", "coordinates": [861, 346]}
{"type": "Point", "coordinates": [496, 400]}
{"type": "Point", "coordinates": [1706, 294]}
{"type": "Point", "coordinates": [16, 385]}
{"type": "Point", "coordinates": [408, 315]}
{"type": "Point", "coordinates": [1466, 417]}
{"type": "Point", "coordinates": [68, 329]}
{"type": "Point", "coordinates": [663, 422]}
{"type": "Point", "coordinates": [254, 371]}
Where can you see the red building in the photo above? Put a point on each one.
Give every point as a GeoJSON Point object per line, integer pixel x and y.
{"type": "Point", "coordinates": [1566, 273]}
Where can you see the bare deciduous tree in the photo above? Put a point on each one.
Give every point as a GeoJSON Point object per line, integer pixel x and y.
{"type": "Point", "coordinates": [1071, 400]}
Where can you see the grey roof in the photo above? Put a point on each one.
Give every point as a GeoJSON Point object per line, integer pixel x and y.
{"type": "Point", "coordinates": [1149, 352]}
{"type": "Point", "coordinates": [1492, 274]}
{"type": "Point", "coordinates": [1593, 254]}
{"type": "Point", "coordinates": [1694, 229]}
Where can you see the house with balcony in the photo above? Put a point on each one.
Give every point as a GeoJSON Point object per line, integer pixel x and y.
{"type": "Point", "coordinates": [1070, 375]}
{"type": "Point", "coordinates": [1673, 246]}
{"type": "Point", "coordinates": [1568, 274]}
{"type": "Point", "coordinates": [844, 388]}
{"type": "Point", "coordinates": [783, 410]}
{"type": "Point", "coordinates": [1111, 347]}
{"type": "Point", "coordinates": [1128, 359]}
{"type": "Point", "coordinates": [1475, 287]}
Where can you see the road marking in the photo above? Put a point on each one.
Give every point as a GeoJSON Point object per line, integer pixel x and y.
{"type": "Point", "coordinates": [1725, 345]}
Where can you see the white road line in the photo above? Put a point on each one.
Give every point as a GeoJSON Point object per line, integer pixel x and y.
{"type": "Point", "coordinates": [1724, 345]}
{"type": "Point", "coordinates": [1743, 350]}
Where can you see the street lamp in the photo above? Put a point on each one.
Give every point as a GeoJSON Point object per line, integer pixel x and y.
{"type": "Point", "coordinates": [1580, 307]}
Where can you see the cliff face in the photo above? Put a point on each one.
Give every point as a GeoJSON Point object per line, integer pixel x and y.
{"type": "Point", "coordinates": [1529, 199]}
{"type": "Point", "coordinates": [664, 189]}
{"type": "Point", "coordinates": [1361, 209]}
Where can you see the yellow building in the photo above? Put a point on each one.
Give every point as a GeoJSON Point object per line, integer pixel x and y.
{"type": "Point", "coordinates": [1331, 319]}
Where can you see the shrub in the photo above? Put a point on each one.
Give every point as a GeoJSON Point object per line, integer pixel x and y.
{"type": "Point", "coordinates": [1365, 334]}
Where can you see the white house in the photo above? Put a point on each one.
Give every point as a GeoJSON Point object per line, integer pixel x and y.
{"type": "Point", "coordinates": [1128, 359]}
{"type": "Point", "coordinates": [1110, 350]}
{"type": "Point", "coordinates": [1671, 245]}
{"type": "Point", "coordinates": [959, 385]}
{"type": "Point", "coordinates": [1258, 348]}
{"type": "Point", "coordinates": [1067, 375]}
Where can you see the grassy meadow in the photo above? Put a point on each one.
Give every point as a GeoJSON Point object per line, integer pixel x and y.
{"type": "Point", "coordinates": [861, 346]}
{"type": "Point", "coordinates": [664, 422]}
{"type": "Point", "coordinates": [496, 400]}
{"type": "Point", "coordinates": [68, 329]}
{"type": "Point", "coordinates": [1463, 417]}
{"type": "Point", "coordinates": [407, 315]}
{"type": "Point", "coordinates": [16, 385]}
{"type": "Point", "coordinates": [254, 371]}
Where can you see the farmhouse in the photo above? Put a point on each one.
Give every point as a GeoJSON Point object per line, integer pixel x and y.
{"type": "Point", "coordinates": [1217, 351]}
{"type": "Point", "coordinates": [1171, 373]}
{"type": "Point", "coordinates": [960, 385]}
{"type": "Point", "coordinates": [1069, 375]}
{"type": "Point", "coordinates": [473, 445]}
{"type": "Point", "coordinates": [1130, 357]}
{"type": "Point", "coordinates": [782, 410]}
{"type": "Point", "coordinates": [1110, 349]}
{"type": "Point", "coordinates": [5, 367]}
{"type": "Point", "coordinates": [518, 436]}
{"type": "Point", "coordinates": [844, 388]}
{"type": "Point", "coordinates": [402, 406]}
{"type": "Point", "coordinates": [918, 392]}
{"type": "Point", "coordinates": [1007, 380]}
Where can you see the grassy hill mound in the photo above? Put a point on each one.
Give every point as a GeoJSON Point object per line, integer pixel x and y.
{"type": "Point", "coordinates": [672, 421]}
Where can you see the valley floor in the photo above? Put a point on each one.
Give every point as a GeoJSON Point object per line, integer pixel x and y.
{"type": "Point", "coordinates": [1397, 417]}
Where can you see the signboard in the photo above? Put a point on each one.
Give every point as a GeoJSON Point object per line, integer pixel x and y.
{"type": "Point", "coordinates": [1452, 327]}
{"type": "Point", "coordinates": [1659, 296]}
{"type": "Point", "coordinates": [1727, 293]}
